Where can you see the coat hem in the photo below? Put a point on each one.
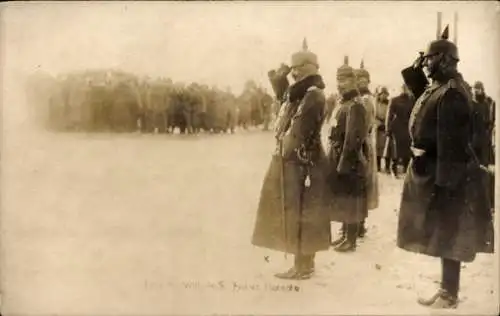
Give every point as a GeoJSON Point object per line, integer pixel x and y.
{"type": "Point", "coordinates": [291, 251]}
{"type": "Point", "coordinates": [422, 250]}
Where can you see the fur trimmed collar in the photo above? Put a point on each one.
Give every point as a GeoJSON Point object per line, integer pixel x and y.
{"type": "Point", "coordinates": [298, 89]}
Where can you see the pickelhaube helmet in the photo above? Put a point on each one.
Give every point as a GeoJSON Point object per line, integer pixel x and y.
{"type": "Point", "coordinates": [442, 46]}
{"type": "Point", "coordinates": [384, 90]}
{"type": "Point", "coordinates": [345, 71]}
{"type": "Point", "coordinates": [304, 57]}
{"type": "Point", "coordinates": [362, 73]}
{"type": "Point", "coordinates": [478, 85]}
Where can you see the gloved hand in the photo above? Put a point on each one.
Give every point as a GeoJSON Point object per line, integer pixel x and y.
{"type": "Point", "coordinates": [284, 70]}
{"type": "Point", "coordinates": [419, 62]}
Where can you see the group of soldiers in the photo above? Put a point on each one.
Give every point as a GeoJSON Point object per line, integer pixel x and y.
{"type": "Point", "coordinates": [393, 139]}
{"type": "Point", "coordinates": [439, 129]}
{"type": "Point", "coordinates": [392, 116]}
{"type": "Point", "coordinates": [115, 101]}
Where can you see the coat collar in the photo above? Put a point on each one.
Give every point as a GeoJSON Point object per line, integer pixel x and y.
{"type": "Point", "coordinates": [298, 89]}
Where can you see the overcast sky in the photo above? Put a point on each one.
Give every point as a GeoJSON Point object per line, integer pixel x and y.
{"type": "Point", "coordinates": [227, 43]}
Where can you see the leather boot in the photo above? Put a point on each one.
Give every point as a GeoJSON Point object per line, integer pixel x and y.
{"type": "Point", "coordinates": [303, 268]}
{"type": "Point", "coordinates": [387, 165]}
{"type": "Point", "coordinates": [306, 267]}
{"type": "Point", "coordinates": [394, 167]}
{"type": "Point", "coordinates": [309, 262]}
{"type": "Point", "coordinates": [442, 300]}
{"type": "Point", "coordinates": [292, 272]}
{"type": "Point", "coordinates": [287, 275]}
{"type": "Point", "coordinates": [349, 243]}
{"type": "Point", "coordinates": [341, 238]}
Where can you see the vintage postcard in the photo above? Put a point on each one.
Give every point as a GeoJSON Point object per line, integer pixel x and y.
{"type": "Point", "coordinates": [267, 158]}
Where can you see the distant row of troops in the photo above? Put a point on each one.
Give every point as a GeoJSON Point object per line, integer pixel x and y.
{"type": "Point", "coordinates": [445, 209]}
{"type": "Point", "coordinates": [114, 101]}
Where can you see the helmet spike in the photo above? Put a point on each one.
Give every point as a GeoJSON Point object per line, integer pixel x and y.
{"type": "Point", "coordinates": [304, 44]}
{"type": "Point", "coordinates": [362, 65]}
{"type": "Point", "coordinates": [446, 33]}
{"type": "Point", "coordinates": [346, 60]}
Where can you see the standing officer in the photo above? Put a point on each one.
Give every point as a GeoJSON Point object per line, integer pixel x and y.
{"type": "Point", "coordinates": [291, 216]}
{"type": "Point", "coordinates": [444, 212]}
{"type": "Point", "coordinates": [363, 82]}
{"type": "Point", "coordinates": [382, 106]}
{"type": "Point", "coordinates": [349, 156]}
{"type": "Point", "coordinates": [396, 126]}
{"type": "Point", "coordinates": [485, 113]}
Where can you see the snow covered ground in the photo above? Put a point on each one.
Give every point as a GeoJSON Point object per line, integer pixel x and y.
{"type": "Point", "coordinates": [154, 224]}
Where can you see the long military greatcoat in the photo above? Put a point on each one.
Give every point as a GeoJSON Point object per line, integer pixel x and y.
{"type": "Point", "coordinates": [381, 114]}
{"type": "Point", "coordinates": [444, 211]}
{"type": "Point", "coordinates": [349, 161]}
{"type": "Point", "coordinates": [398, 116]}
{"type": "Point", "coordinates": [291, 216]}
{"type": "Point", "coordinates": [483, 126]}
{"type": "Point", "coordinates": [371, 143]}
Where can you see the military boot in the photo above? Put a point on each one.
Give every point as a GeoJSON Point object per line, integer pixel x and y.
{"type": "Point", "coordinates": [349, 243]}
{"type": "Point", "coordinates": [287, 275]}
{"type": "Point", "coordinates": [303, 268]}
{"type": "Point", "coordinates": [395, 169]}
{"type": "Point", "coordinates": [291, 273]}
{"type": "Point", "coordinates": [379, 163]}
{"type": "Point", "coordinates": [306, 267]}
{"type": "Point", "coordinates": [441, 300]}
{"type": "Point", "coordinates": [387, 166]}
{"type": "Point", "coordinates": [342, 236]}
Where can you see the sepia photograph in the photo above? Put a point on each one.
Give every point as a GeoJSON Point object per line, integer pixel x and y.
{"type": "Point", "coordinates": [249, 157]}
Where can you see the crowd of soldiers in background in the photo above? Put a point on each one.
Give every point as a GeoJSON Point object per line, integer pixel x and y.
{"type": "Point", "coordinates": [116, 101]}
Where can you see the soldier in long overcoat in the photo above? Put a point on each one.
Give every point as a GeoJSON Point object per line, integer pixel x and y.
{"type": "Point", "coordinates": [231, 113]}
{"type": "Point", "coordinates": [349, 156]}
{"type": "Point", "coordinates": [363, 81]}
{"type": "Point", "coordinates": [396, 126]}
{"type": "Point", "coordinates": [266, 105]}
{"type": "Point", "coordinates": [246, 103]}
{"type": "Point", "coordinates": [145, 117]}
{"type": "Point", "coordinates": [444, 211]}
{"type": "Point", "coordinates": [382, 105]}
{"type": "Point", "coordinates": [291, 216]}
{"type": "Point", "coordinates": [484, 116]}
{"type": "Point", "coordinates": [125, 107]}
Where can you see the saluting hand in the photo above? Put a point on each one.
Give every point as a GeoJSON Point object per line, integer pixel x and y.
{"type": "Point", "coordinates": [419, 62]}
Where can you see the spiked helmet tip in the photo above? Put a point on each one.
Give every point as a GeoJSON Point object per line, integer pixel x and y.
{"type": "Point", "coordinates": [304, 44]}
{"type": "Point", "coordinates": [304, 56]}
{"type": "Point", "coordinates": [446, 33]}
{"type": "Point", "coordinates": [345, 72]}
{"type": "Point", "coordinates": [443, 46]}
